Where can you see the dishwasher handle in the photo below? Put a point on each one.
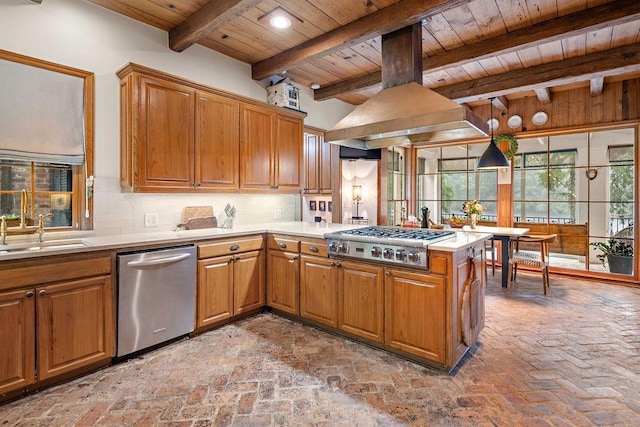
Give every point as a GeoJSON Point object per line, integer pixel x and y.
{"type": "Point", "coordinates": [158, 261]}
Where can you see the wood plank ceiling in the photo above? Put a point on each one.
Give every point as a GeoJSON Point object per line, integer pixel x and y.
{"type": "Point", "coordinates": [472, 50]}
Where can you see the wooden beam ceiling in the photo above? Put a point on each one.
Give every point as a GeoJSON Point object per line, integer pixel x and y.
{"type": "Point", "coordinates": [383, 21]}
{"type": "Point", "coordinates": [543, 94]}
{"type": "Point", "coordinates": [624, 59]}
{"type": "Point", "coordinates": [206, 20]}
{"type": "Point", "coordinates": [592, 19]}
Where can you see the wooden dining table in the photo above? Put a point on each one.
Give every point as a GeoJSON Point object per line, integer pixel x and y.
{"type": "Point", "coordinates": [504, 235]}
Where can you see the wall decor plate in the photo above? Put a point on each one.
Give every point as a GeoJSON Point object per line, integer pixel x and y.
{"type": "Point", "coordinates": [539, 118]}
{"type": "Point", "coordinates": [493, 124]}
{"type": "Point", "coordinates": [514, 121]}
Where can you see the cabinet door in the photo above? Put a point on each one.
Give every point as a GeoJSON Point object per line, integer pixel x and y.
{"type": "Point", "coordinates": [360, 299]}
{"type": "Point", "coordinates": [319, 290]}
{"type": "Point", "coordinates": [324, 168]}
{"type": "Point", "coordinates": [17, 330]}
{"type": "Point", "coordinates": [288, 143]}
{"type": "Point", "coordinates": [311, 160]}
{"type": "Point", "coordinates": [256, 148]}
{"type": "Point", "coordinates": [215, 290]}
{"type": "Point", "coordinates": [74, 325]}
{"type": "Point", "coordinates": [165, 135]}
{"type": "Point", "coordinates": [217, 142]}
{"type": "Point", "coordinates": [415, 314]}
{"type": "Point", "coordinates": [248, 286]}
{"type": "Point", "coordinates": [283, 281]}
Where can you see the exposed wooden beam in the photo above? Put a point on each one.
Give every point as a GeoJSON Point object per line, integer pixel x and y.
{"type": "Point", "coordinates": [383, 21]}
{"type": "Point", "coordinates": [623, 59]}
{"type": "Point", "coordinates": [593, 19]}
{"type": "Point", "coordinates": [206, 20]}
{"type": "Point", "coordinates": [596, 85]}
{"type": "Point", "coordinates": [501, 103]}
{"type": "Point", "coordinates": [543, 94]}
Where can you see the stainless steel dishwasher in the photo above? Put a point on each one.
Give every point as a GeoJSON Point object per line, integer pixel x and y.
{"type": "Point", "coordinates": [156, 297]}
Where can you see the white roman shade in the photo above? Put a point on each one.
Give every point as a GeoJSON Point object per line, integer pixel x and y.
{"type": "Point", "coordinates": [41, 114]}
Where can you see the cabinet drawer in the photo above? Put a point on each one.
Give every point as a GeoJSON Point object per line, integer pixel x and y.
{"type": "Point", "coordinates": [313, 248]}
{"type": "Point", "coordinates": [438, 265]}
{"type": "Point", "coordinates": [229, 246]}
{"type": "Point", "coordinates": [283, 243]}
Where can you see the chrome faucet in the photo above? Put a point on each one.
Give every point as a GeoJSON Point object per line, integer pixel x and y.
{"type": "Point", "coordinates": [24, 203]}
{"type": "Point", "coordinates": [3, 229]}
{"type": "Point", "coordinates": [40, 230]}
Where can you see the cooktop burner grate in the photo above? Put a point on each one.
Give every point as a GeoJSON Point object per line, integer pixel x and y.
{"type": "Point", "coordinates": [397, 233]}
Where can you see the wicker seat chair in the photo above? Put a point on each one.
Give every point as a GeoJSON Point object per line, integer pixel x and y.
{"type": "Point", "coordinates": [537, 258]}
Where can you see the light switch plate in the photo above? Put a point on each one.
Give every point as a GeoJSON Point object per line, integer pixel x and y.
{"type": "Point", "coordinates": [151, 219]}
{"type": "Point", "coordinates": [277, 214]}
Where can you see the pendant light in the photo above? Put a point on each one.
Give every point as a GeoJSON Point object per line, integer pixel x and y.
{"type": "Point", "coordinates": [493, 157]}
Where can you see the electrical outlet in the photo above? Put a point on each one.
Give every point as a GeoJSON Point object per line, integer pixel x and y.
{"type": "Point", "coordinates": [277, 214]}
{"type": "Point", "coordinates": [151, 219]}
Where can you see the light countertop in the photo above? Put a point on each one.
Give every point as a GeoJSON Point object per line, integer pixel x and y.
{"type": "Point", "coordinates": [79, 242]}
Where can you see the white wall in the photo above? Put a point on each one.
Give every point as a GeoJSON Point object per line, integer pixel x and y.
{"type": "Point", "coordinates": [89, 37]}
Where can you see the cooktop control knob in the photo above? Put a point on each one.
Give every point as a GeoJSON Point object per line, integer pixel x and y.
{"type": "Point", "coordinates": [401, 254]}
{"type": "Point", "coordinates": [333, 247]}
{"type": "Point", "coordinates": [343, 248]}
{"type": "Point", "coordinates": [388, 253]}
{"type": "Point", "coordinates": [414, 256]}
{"type": "Point", "coordinates": [376, 252]}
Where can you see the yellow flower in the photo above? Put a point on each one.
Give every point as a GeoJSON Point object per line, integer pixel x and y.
{"type": "Point", "coordinates": [473, 207]}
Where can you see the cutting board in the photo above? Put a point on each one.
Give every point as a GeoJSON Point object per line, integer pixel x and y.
{"type": "Point", "coordinates": [190, 212]}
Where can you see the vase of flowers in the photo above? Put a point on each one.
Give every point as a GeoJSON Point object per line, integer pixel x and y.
{"type": "Point", "coordinates": [473, 208]}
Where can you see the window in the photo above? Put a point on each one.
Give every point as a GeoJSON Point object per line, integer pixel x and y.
{"type": "Point", "coordinates": [396, 195]}
{"type": "Point", "coordinates": [544, 187]}
{"type": "Point", "coordinates": [46, 142]}
{"type": "Point", "coordinates": [48, 189]}
{"type": "Point", "coordinates": [447, 178]}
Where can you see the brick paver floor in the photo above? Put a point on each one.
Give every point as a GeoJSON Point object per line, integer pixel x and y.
{"type": "Point", "coordinates": [571, 358]}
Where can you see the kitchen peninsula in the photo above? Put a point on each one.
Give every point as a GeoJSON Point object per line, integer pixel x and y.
{"type": "Point", "coordinates": [432, 317]}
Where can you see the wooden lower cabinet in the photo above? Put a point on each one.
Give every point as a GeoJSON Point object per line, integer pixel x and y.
{"type": "Point", "coordinates": [215, 290]}
{"type": "Point", "coordinates": [229, 285]}
{"type": "Point", "coordinates": [59, 328]}
{"type": "Point", "coordinates": [361, 300]}
{"type": "Point", "coordinates": [248, 278]}
{"type": "Point", "coordinates": [17, 335]}
{"type": "Point", "coordinates": [415, 314]}
{"type": "Point", "coordinates": [283, 281]}
{"type": "Point", "coordinates": [319, 290]}
{"type": "Point", "coordinates": [72, 325]}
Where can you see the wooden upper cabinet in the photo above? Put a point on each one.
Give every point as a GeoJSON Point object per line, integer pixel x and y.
{"type": "Point", "coordinates": [165, 135]}
{"type": "Point", "coordinates": [311, 156]}
{"type": "Point", "coordinates": [256, 148]}
{"type": "Point", "coordinates": [324, 166]}
{"type": "Point", "coordinates": [217, 150]}
{"type": "Point", "coordinates": [317, 163]}
{"type": "Point", "coordinates": [270, 150]}
{"type": "Point", "coordinates": [181, 136]}
{"type": "Point", "coordinates": [288, 152]}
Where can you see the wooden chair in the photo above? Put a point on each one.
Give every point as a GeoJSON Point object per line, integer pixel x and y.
{"type": "Point", "coordinates": [535, 253]}
{"type": "Point", "coordinates": [490, 248]}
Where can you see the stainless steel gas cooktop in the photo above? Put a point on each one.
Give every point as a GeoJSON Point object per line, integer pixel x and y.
{"type": "Point", "coordinates": [390, 245]}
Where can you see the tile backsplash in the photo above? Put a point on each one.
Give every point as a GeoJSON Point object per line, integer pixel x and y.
{"type": "Point", "coordinates": [116, 212]}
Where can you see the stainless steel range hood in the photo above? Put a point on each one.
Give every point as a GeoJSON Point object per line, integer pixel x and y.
{"type": "Point", "coordinates": [405, 112]}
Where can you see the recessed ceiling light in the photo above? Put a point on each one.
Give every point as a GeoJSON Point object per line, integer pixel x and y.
{"type": "Point", "coordinates": [280, 21]}
{"type": "Point", "coordinates": [279, 18]}
{"type": "Point", "coordinates": [315, 86]}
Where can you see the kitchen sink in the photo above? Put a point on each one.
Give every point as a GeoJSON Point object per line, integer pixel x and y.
{"type": "Point", "coordinates": [42, 246]}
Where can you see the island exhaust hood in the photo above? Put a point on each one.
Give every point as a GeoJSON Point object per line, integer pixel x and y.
{"type": "Point", "coordinates": [405, 112]}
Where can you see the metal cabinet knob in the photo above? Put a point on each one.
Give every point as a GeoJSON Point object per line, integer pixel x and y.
{"type": "Point", "coordinates": [29, 294]}
{"type": "Point", "coordinates": [42, 292]}
{"type": "Point", "coordinates": [283, 245]}
{"type": "Point", "coordinates": [314, 249]}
